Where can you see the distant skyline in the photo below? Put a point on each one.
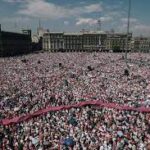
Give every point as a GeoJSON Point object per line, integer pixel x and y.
{"type": "Point", "coordinates": [74, 15]}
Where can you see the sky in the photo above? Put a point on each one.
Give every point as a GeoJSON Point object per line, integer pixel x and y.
{"type": "Point", "coordinates": [75, 15]}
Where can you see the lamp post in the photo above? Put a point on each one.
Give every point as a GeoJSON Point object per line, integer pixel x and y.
{"type": "Point", "coordinates": [128, 29]}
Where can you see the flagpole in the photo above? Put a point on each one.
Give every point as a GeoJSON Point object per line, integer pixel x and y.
{"type": "Point", "coordinates": [128, 29]}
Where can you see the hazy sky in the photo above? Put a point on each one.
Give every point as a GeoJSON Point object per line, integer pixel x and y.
{"type": "Point", "coordinates": [74, 15]}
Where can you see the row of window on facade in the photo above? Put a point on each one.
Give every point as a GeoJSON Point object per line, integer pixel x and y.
{"type": "Point", "coordinates": [107, 41]}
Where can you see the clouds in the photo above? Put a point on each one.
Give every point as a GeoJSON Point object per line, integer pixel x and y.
{"type": "Point", "coordinates": [42, 9]}
{"type": "Point", "coordinates": [141, 29]}
{"type": "Point", "coordinates": [47, 10]}
{"type": "Point", "coordinates": [132, 20]}
{"type": "Point", "coordinates": [136, 26]}
{"type": "Point", "coordinates": [106, 19]}
{"type": "Point", "coordinates": [93, 8]}
{"type": "Point", "coordinates": [124, 22]}
{"type": "Point", "coordinates": [15, 1]}
{"type": "Point", "coordinates": [16, 19]}
{"type": "Point", "coordinates": [91, 21]}
{"type": "Point", "coordinates": [66, 22]}
{"type": "Point", "coordinates": [72, 15]}
{"type": "Point", "coordinates": [86, 21]}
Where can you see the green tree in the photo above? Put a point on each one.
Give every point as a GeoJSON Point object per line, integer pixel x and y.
{"type": "Point", "coordinates": [116, 49]}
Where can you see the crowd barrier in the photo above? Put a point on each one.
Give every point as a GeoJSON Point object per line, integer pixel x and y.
{"type": "Point", "coordinates": [81, 104]}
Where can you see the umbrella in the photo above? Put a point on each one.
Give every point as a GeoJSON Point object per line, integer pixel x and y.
{"type": "Point", "coordinates": [16, 108]}
{"type": "Point", "coordinates": [120, 133]}
{"type": "Point", "coordinates": [73, 121]}
{"type": "Point", "coordinates": [81, 99]}
{"type": "Point", "coordinates": [69, 142]}
{"type": "Point", "coordinates": [93, 139]}
{"type": "Point", "coordinates": [35, 141]}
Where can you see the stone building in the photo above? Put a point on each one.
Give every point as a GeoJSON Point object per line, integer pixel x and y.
{"type": "Point", "coordinates": [94, 41]}
{"type": "Point", "coordinates": [74, 41]}
{"type": "Point", "coordinates": [85, 41]}
{"type": "Point", "coordinates": [15, 43]}
{"type": "Point", "coordinates": [118, 41]}
{"type": "Point", "coordinates": [53, 41]}
{"type": "Point", "coordinates": [140, 44]}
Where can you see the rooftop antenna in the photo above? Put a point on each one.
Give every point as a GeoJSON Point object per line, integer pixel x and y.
{"type": "Point", "coordinates": [99, 23]}
{"type": "Point", "coordinates": [39, 27]}
{"type": "Point", "coordinates": [15, 25]}
{"type": "Point", "coordinates": [39, 23]}
{"type": "Point", "coordinates": [22, 24]}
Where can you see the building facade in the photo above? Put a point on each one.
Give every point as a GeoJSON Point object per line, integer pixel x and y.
{"type": "Point", "coordinates": [53, 41]}
{"type": "Point", "coordinates": [85, 41]}
{"type": "Point", "coordinates": [74, 41]}
{"type": "Point", "coordinates": [140, 44]}
{"type": "Point", "coordinates": [94, 41]}
{"type": "Point", "coordinates": [15, 43]}
{"type": "Point", "coordinates": [118, 41]}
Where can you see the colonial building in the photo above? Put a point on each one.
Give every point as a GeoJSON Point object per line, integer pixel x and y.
{"type": "Point", "coordinates": [118, 41]}
{"type": "Point", "coordinates": [85, 41]}
{"type": "Point", "coordinates": [15, 43]}
{"type": "Point", "coordinates": [53, 41]}
{"type": "Point", "coordinates": [74, 41]}
{"type": "Point", "coordinates": [140, 44]}
{"type": "Point", "coordinates": [94, 41]}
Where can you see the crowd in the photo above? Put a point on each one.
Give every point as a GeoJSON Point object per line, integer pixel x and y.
{"type": "Point", "coordinates": [33, 82]}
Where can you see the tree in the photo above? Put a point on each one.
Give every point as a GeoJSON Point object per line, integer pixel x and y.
{"type": "Point", "coordinates": [116, 49]}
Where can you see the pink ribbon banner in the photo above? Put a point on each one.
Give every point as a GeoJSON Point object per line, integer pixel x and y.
{"type": "Point", "coordinates": [97, 103]}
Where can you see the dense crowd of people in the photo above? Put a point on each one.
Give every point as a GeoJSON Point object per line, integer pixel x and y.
{"type": "Point", "coordinates": [36, 81]}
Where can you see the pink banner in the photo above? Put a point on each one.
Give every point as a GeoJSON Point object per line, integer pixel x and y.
{"type": "Point", "coordinates": [81, 104]}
